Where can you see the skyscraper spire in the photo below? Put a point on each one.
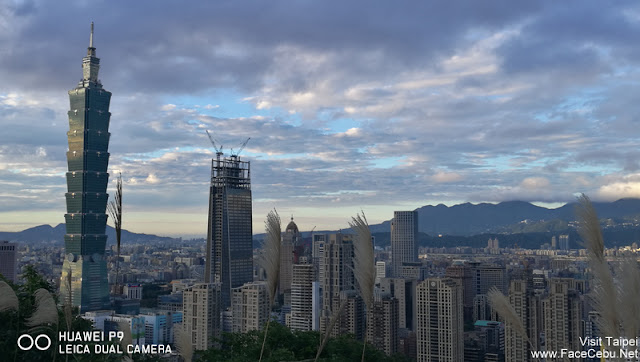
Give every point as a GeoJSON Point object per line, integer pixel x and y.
{"type": "Point", "coordinates": [90, 64]}
{"type": "Point", "coordinates": [91, 50]}
{"type": "Point", "coordinates": [91, 36]}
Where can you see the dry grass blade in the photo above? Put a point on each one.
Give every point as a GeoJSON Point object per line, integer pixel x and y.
{"type": "Point", "coordinates": [183, 344]}
{"type": "Point", "coordinates": [8, 298]}
{"type": "Point", "coordinates": [46, 311]}
{"type": "Point", "coordinates": [500, 303]}
{"type": "Point", "coordinates": [332, 323]}
{"type": "Point", "coordinates": [127, 339]}
{"type": "Point", "coordinates": [363, 261]}
{"type": "Point", "coordinates": [604, 293]}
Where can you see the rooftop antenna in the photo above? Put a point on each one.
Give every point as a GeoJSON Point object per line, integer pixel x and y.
{"type": "Point", "coordinates": [213, 142]}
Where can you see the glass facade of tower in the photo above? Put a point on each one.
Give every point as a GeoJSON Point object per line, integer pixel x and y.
{"type": "Point", "coordinates": [84, 271]}
{"type": "Point", "coordinates": [229, 234]}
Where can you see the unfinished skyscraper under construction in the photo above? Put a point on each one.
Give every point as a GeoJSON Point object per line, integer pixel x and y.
{"type": "Point", "coordinates": [229, 235]}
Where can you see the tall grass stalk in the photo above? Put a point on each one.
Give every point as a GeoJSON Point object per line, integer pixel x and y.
{"type": "Point", "coordinates": [604, 292]}
{"type": "Point", "coordinates": [270, 261]}
{"type": "Point", "coordinates": [364, 269]}
{"type": "Point", "coordinates": [183, 343]}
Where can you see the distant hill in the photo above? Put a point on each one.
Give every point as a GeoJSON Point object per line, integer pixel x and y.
{"type": "Point", "coordinates": [46, 233]}
{"type": "Point", "coordinates": [469, 219]}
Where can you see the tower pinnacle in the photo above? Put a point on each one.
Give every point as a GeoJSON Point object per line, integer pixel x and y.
{"type": "Point", "coordinates": [91, 36]}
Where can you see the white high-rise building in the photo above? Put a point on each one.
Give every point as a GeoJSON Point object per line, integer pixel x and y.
{"type": "Point", "coordinates": [302, 297]}
{"type": "Point", "coordinates": [201, 314]}
{"type": "Point", "coordinates": [250, 307]}
{"type": "Point", "coordinates": [404, 239]}
{"type": "Point", "coordinates": [440, 327]}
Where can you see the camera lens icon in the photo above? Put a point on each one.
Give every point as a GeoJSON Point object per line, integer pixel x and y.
{"type": "Point", "coordinates": [26, 342]}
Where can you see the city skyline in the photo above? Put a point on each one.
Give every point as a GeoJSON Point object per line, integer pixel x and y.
{"type": "Point", "coordinates": [377, 106]}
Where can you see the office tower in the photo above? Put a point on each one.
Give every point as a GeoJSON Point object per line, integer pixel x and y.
{"type": "Point", "coordinates": [229, 234]}
{"type": "Point", "coordinates": [381, 270]}
{"type": "Point", "coordinates": [562, 310]}
{"type": "Point", "coordinates": [250, 306]}
{"type": "Point", "coordinates": [201, 314]}
{"type": "Point", "coordinates": [485, 276]}
{"type": "Point", "coordinates": [86, 196]}
{"type": "Point", "coordinates": [336, 270]}
{"type": "Point", "coordinates": [527, 307]}
{"type": "Point", "coordinates": [382, 323]}
{"type": "Point", "coordinates": [404, 239]}
{"type": "Point", "coordinates": [132, 291]}
{"type": "Point", "coordinates": [413, 270]}
{"type": "Point", "coordinates": [554, 243]}
{"type": "Point", "coordinates": [290, 240]}
{"type": "Point", "coordinates": [404, 291]}
{"type": "Point", "coordinates": [302, 297]}
{"type": "Point", "coordinates": [563, 242]}
{"type": "Point", "coordinates": [440, 326]}
{"type": "Point", "coordinates": [8, 260]}
{"type": "Point", "coordinates": [463, 274]}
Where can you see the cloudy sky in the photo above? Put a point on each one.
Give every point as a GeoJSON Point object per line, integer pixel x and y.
{"type": "Point", "coordinates": [354, 105]}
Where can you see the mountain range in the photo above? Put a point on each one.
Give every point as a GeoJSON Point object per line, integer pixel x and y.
{"type": "Point", "coordinates": [469, 219]}
{"type": "Point", "coordinates": [46, 233]}
{"type": "Point", "coordinates": [464, 220]}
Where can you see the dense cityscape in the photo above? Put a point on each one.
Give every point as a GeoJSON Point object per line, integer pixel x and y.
{"type": "Point", "coordinates": [530, 290]}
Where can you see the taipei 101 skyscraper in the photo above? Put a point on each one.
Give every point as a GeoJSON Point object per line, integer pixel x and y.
{"type": "Point", "coordinates": [84, 271]}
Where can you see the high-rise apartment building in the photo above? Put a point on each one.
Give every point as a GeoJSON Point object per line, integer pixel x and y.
{"type": "Point", "coordinates": [9, 260]}
{"type": "Point", "coordinates": [382, 323]}
{"type": "Point", "coordinates": [84, 270]}
{"type": "Point", "coordinates": [527, 307]}
{"type": "Point", "coordinates": [201, 314]}
{"type": "Point", "coordinates": [302, 297]}
{"type": "Point", "coordinates": [250, 306]}
{"type": "Point", "coordinates": [563, 242]}
{"type": "Point", "coordinates": [338, 286]}
{"type": "Point", "coordinates": [404, 239]}
{"type": "Point", "coordinates": [440, 326]}
{"type": "Point", "coordinates": [562, 312]}
{"type": "Point", "coordinates": [229, 233]}
{"type": "Point", "coordinates": [290, 240]}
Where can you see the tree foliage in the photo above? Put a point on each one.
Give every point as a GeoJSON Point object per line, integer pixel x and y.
{"type": "Point", "coordinates": [282, 344]}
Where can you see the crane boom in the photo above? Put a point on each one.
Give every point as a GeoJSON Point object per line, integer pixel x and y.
{"type": "Point", "coordinates": [213, 142]}
{"type": "Point", "coordinates": [242, 146]}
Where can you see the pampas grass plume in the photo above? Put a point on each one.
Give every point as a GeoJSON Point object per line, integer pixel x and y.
{"type": "Point", "coordinates": [500, 303]}
{"type": "Point", "coordinates": [8, 298]}
{"type": "Point", "coordinates": [364, 268]}
{"type": "Point", "coordinates": [604, 292]}
{"type": "Point", "coordinates": [183, 344]}
{"type": "Point", "coordinates": [127, 339]}
{"type": "Point", "coordinates": [46, 311]}
{"type": "Point", "coordinates": [270, 261]}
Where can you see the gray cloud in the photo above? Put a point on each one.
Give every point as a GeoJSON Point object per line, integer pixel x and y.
{"type": "Point", "coordinates": [347, 105]}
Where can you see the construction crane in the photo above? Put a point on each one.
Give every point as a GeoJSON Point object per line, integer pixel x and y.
{"type": "Point", "coordinates": [241, 148]}
{"type": "Point", "coordinates": [213, 142]}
